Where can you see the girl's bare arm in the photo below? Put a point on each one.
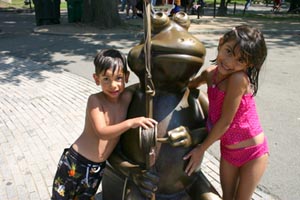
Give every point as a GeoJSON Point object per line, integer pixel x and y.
{"type": "Point", "coordinates": [236, 88]}
{"type": "Point", "coordinates": [201, 79]}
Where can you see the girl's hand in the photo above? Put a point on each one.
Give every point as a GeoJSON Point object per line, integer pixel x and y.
{"type": "Point", "coordinates": [195, 157]}
{"type": "Point", "coordinates": [193, 84]}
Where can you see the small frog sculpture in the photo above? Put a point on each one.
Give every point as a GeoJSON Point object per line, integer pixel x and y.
{"type": "Point", "coordinates": [176, 57]}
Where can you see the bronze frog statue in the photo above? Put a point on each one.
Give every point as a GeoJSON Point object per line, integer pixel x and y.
{"type": "Point", "coordinates": [176, 57]}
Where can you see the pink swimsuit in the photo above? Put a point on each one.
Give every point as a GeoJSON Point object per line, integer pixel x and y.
{"type": "Point", "coordinates": [245, 125]}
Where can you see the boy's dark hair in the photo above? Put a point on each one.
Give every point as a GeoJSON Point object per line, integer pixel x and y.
{"type": "Point", "coordinates": [110, 58]}
{"type": "Point", "coordinates": [252, 48]}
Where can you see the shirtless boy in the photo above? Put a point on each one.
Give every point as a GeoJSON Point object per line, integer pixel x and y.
{"type": "Point", "coordinates": [80, 168]}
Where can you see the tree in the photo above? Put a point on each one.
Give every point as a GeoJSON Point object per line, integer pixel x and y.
{"type": "Point", "coordinates": [102, 13]}
{"type": "Point", "coordinates": [222, 10]}
{"type": "Point", "coordinates": [294, 7]}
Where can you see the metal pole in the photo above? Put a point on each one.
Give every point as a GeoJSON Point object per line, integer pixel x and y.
{"type": "Point", "coordinates": [149, 86]}
{"type": "Point", "coordinates": [234, 9]}
{"type": "Point", "coordinates": [215, 4]}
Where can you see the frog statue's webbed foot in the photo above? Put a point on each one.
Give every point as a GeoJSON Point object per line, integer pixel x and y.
{"type": "Point", "coordinates": [146, 181]}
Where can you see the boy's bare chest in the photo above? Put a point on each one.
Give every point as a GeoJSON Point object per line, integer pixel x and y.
{"type": "Point", "coordinates": [115, 114]}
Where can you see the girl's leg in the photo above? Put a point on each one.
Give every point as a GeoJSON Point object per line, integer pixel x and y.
{"type": "Point", "coordinates": [250, 175]}
{"type": "Point", "coordinates": [229, 179]}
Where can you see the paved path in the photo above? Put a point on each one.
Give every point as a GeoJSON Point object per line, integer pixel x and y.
{"type": "Point", "coordinates": [43, 106]}
{"type": "Point", "coordinates": [42, 112]}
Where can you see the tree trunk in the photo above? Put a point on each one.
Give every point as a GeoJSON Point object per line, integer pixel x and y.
{"type": "Point", "coordinates": [101, 13]}
{"type": "Point", "coordinates": [294, 7]}
{"type": "Point", "coordinates": [222, 10]}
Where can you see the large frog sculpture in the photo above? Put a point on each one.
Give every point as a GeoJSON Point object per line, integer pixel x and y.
{"type": "Point", "coordinates": [176, 57]}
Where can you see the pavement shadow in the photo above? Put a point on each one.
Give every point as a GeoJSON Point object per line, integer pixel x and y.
{"type": "Point", "coordinates": [18, 39]}
{"type": "Point", "coordinates": [76, 44]}
{"type": "Point", "coordinates": [14, 70]}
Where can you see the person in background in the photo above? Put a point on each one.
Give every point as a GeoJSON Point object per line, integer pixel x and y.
{"type": "Point", "coordinates": [131, 4]}
{"type": "Point", "coordinates": [123, 4]}
{"type": "Point", "coordinates": [247, 5]}
{"type": "Point", "coordinates": [277, 5]}
{"type": "Point", "coordinates": [177, 4]}
{"type": "Point", "coordinates": [188, 5]}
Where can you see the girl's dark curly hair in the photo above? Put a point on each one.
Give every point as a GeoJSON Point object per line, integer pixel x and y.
{"type": "Point", "coordinates": [253, 49]}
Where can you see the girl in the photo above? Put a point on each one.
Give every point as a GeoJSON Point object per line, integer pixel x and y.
{"type": "Point", "coordinates": [232, 117]}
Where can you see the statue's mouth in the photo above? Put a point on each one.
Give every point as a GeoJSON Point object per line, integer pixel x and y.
{"type": "Point", "coordinates": [177, 57]}
{"type": "Point", "coordinates": [189, 52]}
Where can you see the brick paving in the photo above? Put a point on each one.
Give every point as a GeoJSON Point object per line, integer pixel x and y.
{"type": "Point", "coordinates": [42, 112]}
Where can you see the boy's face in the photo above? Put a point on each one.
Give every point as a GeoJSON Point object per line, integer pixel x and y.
{"type": "Point", "coordinates": [112, 84]}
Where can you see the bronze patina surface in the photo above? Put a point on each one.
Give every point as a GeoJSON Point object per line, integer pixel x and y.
{"type": "Point", "coordinates": [176, 56]}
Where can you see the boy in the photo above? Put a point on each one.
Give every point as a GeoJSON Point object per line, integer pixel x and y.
{"type": "Point", "coordinates": [80, 168]}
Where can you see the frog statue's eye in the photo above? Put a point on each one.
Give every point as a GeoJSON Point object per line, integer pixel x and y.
{"type": "Point", "coordinates": [159, 21]}
{"type": "Point", "coordinates": [182, 19]}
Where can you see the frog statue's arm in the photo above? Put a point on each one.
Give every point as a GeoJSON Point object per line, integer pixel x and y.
{"type": "Point", "coordinates": [182, 136]}
{"type": "Point", "coordinates": [198, 135]}
{"type": "Point", "coordinates": [203, 101]}
{"type": "Point", "coordinates": [178, 137]}
{"type": "Point", "coordinates": [146, 180]}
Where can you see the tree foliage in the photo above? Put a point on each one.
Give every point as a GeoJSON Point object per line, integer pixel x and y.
{"type": "Point", "coordinates": [101, 13]}
{"type": "Point", "coordinates": [222, 10]}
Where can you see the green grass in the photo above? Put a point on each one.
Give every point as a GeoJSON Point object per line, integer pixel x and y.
{"type": "Point", "coordinates": [19, 4]}
{"type": "Point", "coordinates": [14, 4]}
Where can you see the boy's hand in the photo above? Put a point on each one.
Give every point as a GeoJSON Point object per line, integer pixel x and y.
{"type": "Point", "coordinates": [195, 157]}
{"type": "Point", "coordinates": [143, 122]}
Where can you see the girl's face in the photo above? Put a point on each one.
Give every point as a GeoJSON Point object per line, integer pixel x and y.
{"type": "Point", "coordinates": [113, 84]}
{"type": "Point", "coordinates": [229, 59]}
